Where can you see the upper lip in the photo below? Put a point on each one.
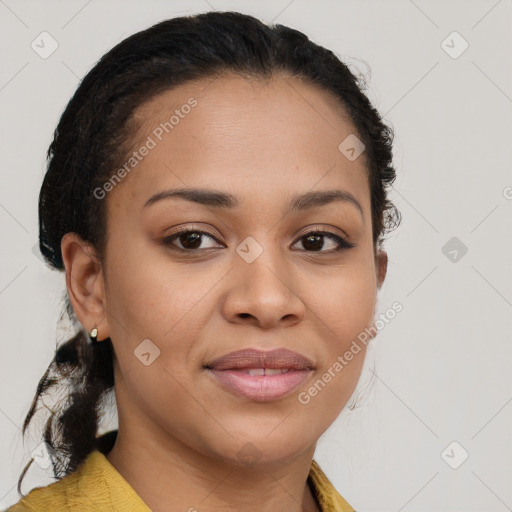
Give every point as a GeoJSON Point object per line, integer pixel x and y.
{"type": "Point", "coordinates": [255, 358]}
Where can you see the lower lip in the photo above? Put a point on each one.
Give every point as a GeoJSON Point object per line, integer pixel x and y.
{"type": "Point", "coordinates": [260, 388]}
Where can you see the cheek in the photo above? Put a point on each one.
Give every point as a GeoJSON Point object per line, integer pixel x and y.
{"type": "Point", "coordinates": [345, 308]}
{"type": "Point", "coordinates": [151, 299]}
{"type": "Point", "coordinates": [149, 295]}
{"type": "Point", "coordinates": [345, 302]}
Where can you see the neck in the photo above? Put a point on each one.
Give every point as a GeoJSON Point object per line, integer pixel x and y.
{"type": "Point", "coordinates": [177, 478]}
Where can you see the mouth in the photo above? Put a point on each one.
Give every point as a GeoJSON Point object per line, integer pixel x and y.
{"type": "Point", "coordinates": [261, 376]}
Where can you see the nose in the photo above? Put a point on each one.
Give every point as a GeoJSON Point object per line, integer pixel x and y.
{"type": "Point", "coordinates": [262, 292]}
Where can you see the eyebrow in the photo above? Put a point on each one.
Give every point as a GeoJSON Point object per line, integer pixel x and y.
{"type": "Point", "coordinates": [219, 199]}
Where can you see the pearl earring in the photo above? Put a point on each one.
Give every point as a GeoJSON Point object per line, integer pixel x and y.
{"type": "Point", "coordinates": [94, 335]}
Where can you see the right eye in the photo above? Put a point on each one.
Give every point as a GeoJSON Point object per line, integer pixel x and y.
{"type": "Point", "coordinates": [190, 240]}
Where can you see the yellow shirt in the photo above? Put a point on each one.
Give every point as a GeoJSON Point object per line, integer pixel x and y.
{"type": "Point", "coordinates": [97, 486]}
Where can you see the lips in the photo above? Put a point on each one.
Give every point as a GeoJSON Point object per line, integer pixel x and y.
{"type": "Point", "coordinates": [261, 376]}
{"type": "Point", "coordinates": [281, 358]}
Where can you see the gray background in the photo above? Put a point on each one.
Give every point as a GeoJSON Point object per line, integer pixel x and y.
{"type": "Point", "coordinates": [440, 371]}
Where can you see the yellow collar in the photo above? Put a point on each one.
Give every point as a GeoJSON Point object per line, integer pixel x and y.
{"type": "Point", "coordinates": [97, 485]}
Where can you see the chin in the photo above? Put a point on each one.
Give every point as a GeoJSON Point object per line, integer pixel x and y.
{"type": "Point", "coordinates": [254, 446]}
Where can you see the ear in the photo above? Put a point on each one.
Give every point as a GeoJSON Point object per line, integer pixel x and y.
{"type": "Point", "coordinates": [381, 266]}
{"type": "Point", "coordinates": [85, 283]}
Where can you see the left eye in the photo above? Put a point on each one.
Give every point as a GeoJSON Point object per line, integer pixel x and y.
{"type": "Point", "coordinates": [191, 241]}
{"type": "Point", "coordinates": [314, 239]}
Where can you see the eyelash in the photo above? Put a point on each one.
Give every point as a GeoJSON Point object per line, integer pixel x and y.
{"type": "Point", "coordinates": [343, 244]}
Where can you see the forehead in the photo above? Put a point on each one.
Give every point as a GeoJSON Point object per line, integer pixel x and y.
{"type": "Point", "coordinates": [253, 137]}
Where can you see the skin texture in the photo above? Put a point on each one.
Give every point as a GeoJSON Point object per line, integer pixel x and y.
{"type": "Point", "coordinates": [180, 432]}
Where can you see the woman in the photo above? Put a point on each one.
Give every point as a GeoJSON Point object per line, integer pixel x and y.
{"type": "Point", "coordinates": [216, 194]}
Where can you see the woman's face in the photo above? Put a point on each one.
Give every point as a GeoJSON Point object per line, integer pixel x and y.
{"type": "Point", "coordinates": [255, 281]}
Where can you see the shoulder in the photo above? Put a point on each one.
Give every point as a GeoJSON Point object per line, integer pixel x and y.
{"type": "Point", "coordinates": [94, 485]}
{"type": "Point", "coordinates": [80, 490]}
{"type": "Point", "coordinates": [57, 496]}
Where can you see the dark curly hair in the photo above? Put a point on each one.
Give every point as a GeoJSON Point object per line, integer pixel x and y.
{"type": "Point", "coordinates": [93, 137]}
